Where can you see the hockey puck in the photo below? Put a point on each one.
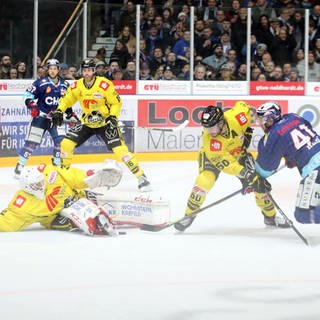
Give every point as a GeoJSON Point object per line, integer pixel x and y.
{"type": "Point", "coordinates": [122, 232]}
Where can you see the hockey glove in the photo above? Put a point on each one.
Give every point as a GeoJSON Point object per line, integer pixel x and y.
{"type": "Point", "coordinates": [112, 122]}
{"type": "Point", "coordinates": [247, 138]}
{"type": "Point", "coordinates": [253, 182]}
{"type": "Point", "coordinates": [32, 106]}
{"type": "Point", "coordinates": [71, 117]}
{"type": "Point", "coordinates": [57, 118]}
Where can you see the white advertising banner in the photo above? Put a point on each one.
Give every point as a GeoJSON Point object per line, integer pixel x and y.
{"type": "Point", "coordinates": [164, 87]}
{"type": "Point", "coordinates": [220, 87]}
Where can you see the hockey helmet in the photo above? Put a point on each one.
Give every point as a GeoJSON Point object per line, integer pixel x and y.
{"type": "Point", "coordinates": [53, 62]}
{"type": "Point", "coordinates": [268, 113]}
{"type": "Point", "coordinates": [211, 116]}
{"type": "Point", "coordinates": [88, 63]}
{"type": "Point", "coordinates": [32, 181]}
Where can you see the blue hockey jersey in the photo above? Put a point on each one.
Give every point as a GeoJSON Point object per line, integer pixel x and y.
{"type": "Point", "coordinates": [292, 138]}
{"type": "Point", "coordinates": [46, 93]}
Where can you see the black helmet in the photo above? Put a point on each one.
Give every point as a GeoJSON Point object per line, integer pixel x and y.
{"type": "Point", "coordinates": [53, 62]}
{"type": "Point", "coordinates": [211, 116]}
{"type": "Point", "coordinates": [88, 63]}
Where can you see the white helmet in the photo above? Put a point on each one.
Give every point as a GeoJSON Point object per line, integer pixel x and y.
{"type": "Point", "coordinates": [268, 113]}
{"type": "Point", "coordinates": [32, 182]}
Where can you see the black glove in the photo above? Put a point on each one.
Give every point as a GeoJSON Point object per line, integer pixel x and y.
{"type": "Point", "coordinates": [253, 182]}
{"type": "Point", "coordinates": [112, 122]}
{"type": "Point", "coordinates": [57, 118]}
{"type": "Point", "coordinates": [247, 138]}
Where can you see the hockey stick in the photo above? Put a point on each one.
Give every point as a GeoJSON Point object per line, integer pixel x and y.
{"type": "Point", "coordinates": [148, 227]}
{"type": "Point", "coordinates": [174, 129]}
{"type": "Point", "coordinates": [288, 220]}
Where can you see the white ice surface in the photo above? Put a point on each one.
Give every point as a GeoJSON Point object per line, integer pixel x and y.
{"type": "Point", "coordinates": [227, 266]}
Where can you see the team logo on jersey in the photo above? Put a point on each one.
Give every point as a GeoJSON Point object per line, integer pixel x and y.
{"type": "Point", "coordinates": [104, 85]}
{"type": "Point", "coordinates": [73, 85]}
{"type": "Point", "coordinates": [41, 167]}
{"type": "Point", "coordinates": [48, 89]}
{"type": "Point", "coordinates": [51, 201]}
{"type": "Point", "coordinates": [241, 118]}
{"type": "Point", "coordinates": [19, 201]}
{"type": "Point", "coordinates": [88, 102]}
{"type": "Point", "coordinates": [98, 95]}
{"type": "Point", "coordinates": [215, 145]}
{"type": "Point", "coordinates": [52, 177]}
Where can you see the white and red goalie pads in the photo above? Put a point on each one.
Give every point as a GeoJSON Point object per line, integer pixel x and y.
{"type": "Point", "coordinates": [89, 218]}
{"type": "Point", "coordinates": [127, 207]}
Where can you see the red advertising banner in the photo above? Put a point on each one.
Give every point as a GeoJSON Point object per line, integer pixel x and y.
{"type": "Point", "coordinates": [277, 88]}
{"type": "Point", "coordinates": [125, 86]}
{"type": "Point", "coordinates": [160, 113]}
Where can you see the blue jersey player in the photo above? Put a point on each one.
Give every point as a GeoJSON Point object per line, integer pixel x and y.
{"type": "Point", "coordinates": [41, 98]}
{"type": "Point", "coordinates": [293, 138]}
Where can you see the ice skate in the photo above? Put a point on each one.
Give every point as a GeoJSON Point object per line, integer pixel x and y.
{"type": "Point", "coordinates": [143, 184]}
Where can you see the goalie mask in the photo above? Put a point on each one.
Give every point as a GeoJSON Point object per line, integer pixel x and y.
{"type": "Point", "coordinates": [32, 182]}
{"type": "Point", "coordinates": [267, 114]}
{"type": "Point", "coordinates": [212, 120]}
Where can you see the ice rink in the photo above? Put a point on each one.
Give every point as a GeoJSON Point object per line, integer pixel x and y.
{"type": "Point", "coordinates": [227, 266]}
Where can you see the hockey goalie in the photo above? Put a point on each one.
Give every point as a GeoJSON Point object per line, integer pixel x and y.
{"type": "Point", "coordinates": [63, 199]}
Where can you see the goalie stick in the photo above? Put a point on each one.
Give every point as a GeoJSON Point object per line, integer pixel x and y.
{"type": "Point", "coordinates": [174, 129]}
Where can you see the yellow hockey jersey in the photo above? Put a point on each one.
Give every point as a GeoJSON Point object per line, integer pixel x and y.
{"type": "Point", "coordinates": [25, 209]}
{"type": "Point", "coordinates": [97, 103]}
{"type": "Point", "coordinates": [225, 149]}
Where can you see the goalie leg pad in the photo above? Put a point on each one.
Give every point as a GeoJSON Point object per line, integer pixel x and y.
{"type": "Point", "coordinates": [108, 176]}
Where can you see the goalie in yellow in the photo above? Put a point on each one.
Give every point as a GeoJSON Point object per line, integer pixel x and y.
{"type": "Point", "coordinates": [56, 198]}
{"type": "Point", "coordinates": [101, 105]}
{"type": "Point", "coordinates": [225, 139]}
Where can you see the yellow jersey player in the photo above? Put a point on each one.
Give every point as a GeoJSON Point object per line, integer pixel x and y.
{"type": "Point", "coordinates": [55, 198]}
{"type": "Point", "coordinates": [101, 106]}
{"type": "Point", "coordinates": [224, 150]}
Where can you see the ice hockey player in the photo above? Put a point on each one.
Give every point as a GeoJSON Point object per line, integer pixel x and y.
{"type": "Point", "coordinates": [225, 139]}
{"type": "Point", "coordinates": [41, 98]}
{"type": "Point", "coordinates": [55, 198]}
{"type": "Point", "coordinates": [101, 106]}
{"type": "Point", "coordinates": [293, 138]}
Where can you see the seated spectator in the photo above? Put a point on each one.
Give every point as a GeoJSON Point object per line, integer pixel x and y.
{"type": "Point", "coordinates": [216, 60]}
{"type": "Point", "coordinates": [159, 72]}
{"type": "Point", "coordinates": [185, 72]}
{"type": "Point", "coordinates": [232, 14]}
{"type": "Point", "coordinates": [5, 66]}
{"type": "Point", "coordinates": [145, 72]}
{"type": "Point", "coordinates": [157, 60]}
{"type": "Point", "coordinates": [262, 7]}
{"type": "Point", "coordinates": [168, 74]}
{"type": "Point", "coordinates": [182, 47]}
{"type": "Point", "coordinates": [121, 53]}
{"type": "Point", "coordinates": [13, 73]}
{"type": "Point", "coordinates": [294, 75]}
{"type": "Point", "coordinates": [287, 67]}
{"type": "Point", "coordinates": [225, 40]}
{"type": "Point", "coordinates": [117, 74]}
{"type": "Point", "coordinates": [41, 72]}
{"type": "Point", "coordinates": [261, 77]}
{"type": "Point", "coordinates": [100, 55]}
{"type": "Point", "coordinates": [128, 39]}
{"type": "Point", "coordinates": [205, 42]}
{"type": "Point", "coordinates": [100, 68]}
{"type": "Point", "coordinates": [269, 69]}
{"type": "Point", "coordinates": [262, 30]}
{"type": "Point", "coordinates": [200, 72]}
{"type": "Point", "coordinates": [256, 58]}
{"type": "Point", "coordinates": [171, 61]}
{"type": "Point", "coordinates": [241, 73]}
{"type": "Point", "coordinates": [255, 72]}
{"type": "Point", "coordinates": [167, 20]}
{"type": "Point", "coordinates": [313, 68]}
{"type": "Point", "coordinates": [276, 75]}
{"type": "Point", "coordinates": [73, 72]}
{"type": "Point", "coordinates": [225, 73]}
{"type": "Point", "coordinates": [130, 71]}
{"type": "Point", "coordinates": [299, 61]}
{"type": "Point", "coordinates": [64, 72]}
{"type": "Point", "coordinates": [114, 65]}
{"type": "Point", "coordinates": [22, 70]}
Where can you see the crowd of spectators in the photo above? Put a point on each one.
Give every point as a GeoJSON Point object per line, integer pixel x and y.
{"type": "Point", "coordinates": [277, 42]}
